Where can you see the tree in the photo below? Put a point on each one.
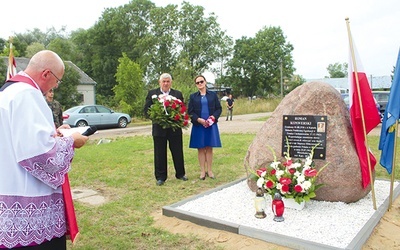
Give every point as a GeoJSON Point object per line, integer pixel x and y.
{"type": "Point", "coordinates": [67, 93]}
{"type": "Point", "coordinates": [3, 72]}
{"type": "Point", "coordinates": [223, 56]}
{"type": "Point", "coordinates": [129, 92]}
{"type": "Point", "coordinates": [241, 70]}
{"type": "Point", "coordinates": [3, 45]}
{"type": "Point", "coordinates": [33, 48]}
{"type": "Point", "coordinates": [259, 63]}
{"type": "Point", "coordinates": [63, 47]}
{"type": "Point", "coordinates": [163, 54]}
{"type": "Point", "coordinates": [158, 39]}
{"type": "Point", "coordinates": [183, 80]}
{"type": "Point", "coordinates": [122, 29]}
{"type": "Point", "coordinates": [293, 83]}
{"type": "Point", "coordinates": [21, 41]}
{"type": "Point", "coordinates": [337, 70]}
{"type": "Point", "coordinates": [201, 40]}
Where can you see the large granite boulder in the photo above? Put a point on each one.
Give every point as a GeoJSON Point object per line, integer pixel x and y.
{"type": "Point", "coordinates": [342, 177]}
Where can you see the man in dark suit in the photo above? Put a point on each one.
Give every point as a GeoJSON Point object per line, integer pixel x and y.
{"type": "Point", "coordinates": [162, 136]}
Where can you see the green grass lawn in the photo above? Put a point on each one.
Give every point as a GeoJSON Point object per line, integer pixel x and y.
{"type": "Point", "coordinates": [122, 171]}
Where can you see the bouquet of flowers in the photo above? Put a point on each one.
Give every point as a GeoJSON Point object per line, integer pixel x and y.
{"type": "Point", "coordinates": [169, 112]}
{"type": "Point", "coordinates": [291, 179]}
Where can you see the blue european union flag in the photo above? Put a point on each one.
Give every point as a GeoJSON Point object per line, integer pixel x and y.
{"type": "Point", "coordinates": [392, 113]}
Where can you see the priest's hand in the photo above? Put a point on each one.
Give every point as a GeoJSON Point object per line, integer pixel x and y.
{"type": "Point", "coordinates": [64, 126]}
{"type": "Point", "coordinates": [79, 140]}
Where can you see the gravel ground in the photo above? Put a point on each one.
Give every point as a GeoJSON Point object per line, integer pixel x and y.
{"type": "Point", "coordinates": [329, 223]}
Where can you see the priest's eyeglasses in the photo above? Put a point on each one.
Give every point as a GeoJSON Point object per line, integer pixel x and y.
{"type": "Point", "coordinates": [59, 81]}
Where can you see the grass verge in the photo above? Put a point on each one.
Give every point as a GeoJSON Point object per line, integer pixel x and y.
{"type": "Point", "coordinates": [122, 171]}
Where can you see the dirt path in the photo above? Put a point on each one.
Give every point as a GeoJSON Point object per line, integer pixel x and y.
{"type": "Point", "coordinates": [386, 234]}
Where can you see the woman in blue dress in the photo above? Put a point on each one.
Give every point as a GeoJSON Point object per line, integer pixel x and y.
{"type": "Point", "coordinates": [205, 109]}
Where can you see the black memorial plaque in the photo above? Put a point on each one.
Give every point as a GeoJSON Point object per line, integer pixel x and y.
{"type": "Point", "coordinates": [304, 132]}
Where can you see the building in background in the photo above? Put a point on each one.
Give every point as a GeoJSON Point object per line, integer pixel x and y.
{"type": "Point", "coordinates": [86, 85]}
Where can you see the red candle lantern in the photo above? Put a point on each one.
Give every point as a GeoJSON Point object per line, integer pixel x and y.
{"type": "Point", "coordinates": [278, 207]}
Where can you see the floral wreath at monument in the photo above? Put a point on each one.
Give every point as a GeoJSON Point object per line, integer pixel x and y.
{"type": "Point", "coordinates": [169, 112]}
{"type": "Point", "coordinates": [293, 179]}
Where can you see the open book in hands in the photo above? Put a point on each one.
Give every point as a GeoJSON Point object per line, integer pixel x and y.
{"type": "Point", "coordinates": [87, 130]}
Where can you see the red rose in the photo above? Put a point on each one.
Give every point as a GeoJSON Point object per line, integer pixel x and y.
{"type": "Point", "coordinates": [285, 181]}
{"type": "Point", "coordinates": [298, 188]}
{"type": "Point", "coordinates": [183, 109]}
{"type": "Point", "coordinates": [292, 170]}
{"type": "Point", "coordinates": [285, 188]}
{"type": "Point", "coordinates": [310, 172]}
{"type": "Point", "coordinates": [269, 184]}
{"type": "Point", "coordinates": [173, 105]}
{"type": "Point", "coordinates": [166, 103]}
{"type": "Point", "coordinates": [273, 171]}
{"type": "Point", "coordinates": [287, 163]}
{"type": "Point", "coordinates": [260, 171]}
{"type": "Point", "coordinates": [186, 117]}
{"type": "Point", "coordinates": [177, 117]}
{"type": "Point", "coordinates": [185, 123]}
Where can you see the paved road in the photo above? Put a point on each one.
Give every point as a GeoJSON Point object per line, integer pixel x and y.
{"type": "Point", "coordinates": [249, 123]}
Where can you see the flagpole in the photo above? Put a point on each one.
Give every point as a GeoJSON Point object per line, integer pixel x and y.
{"type": "Point", "coordinates": [361, 111]}
{"type": "Point", "coordinates": [11, 69]}
{"type": "Point", "coordinates": [393, 165]}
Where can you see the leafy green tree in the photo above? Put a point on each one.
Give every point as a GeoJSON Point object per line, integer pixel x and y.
{"type": "Point", "coordinates": [83, 51]}
{"type": "Point", "coordinates": [23, 42]}
{"type": "Point", "coordinates": [224, 55]}
{"type": "Point", "coordinates": [3, 72]}
{"type": "Point", "coordinates": [241, 67]}
{"type": "Point", "coordinates": [6, 49]}
{"type": "Point", "coordinates": [293, 83]}
{"type": "Point", "coordinates": [259, 63]}
{"type": "Point", "coordinates": [122, 29]}
{"type": "Point", "coordinates": [163, 54]}
{"type": "Point", "coordinates": [129, 92]}
{"type": "Point", "coordinates": [159, 39]}
{"type": "Point", "coordinates": [337, 70]}
{"type": "Point", "coordinates": [28, 38]}
{"type": "Point", "coordinates": [3, 45]}
{"type": "Point", "coordinates": [4, 64]}
{"type": "Point", "coordinates": [67, 93]}
{"type": "Point", "coordinates": [63, 47]}
{"type": "Point", "coordinates": [183, 80]}
{"type": "Point", "coordinates": [33, 48]}
{"type": "Point", "coordinates": [201, 39]}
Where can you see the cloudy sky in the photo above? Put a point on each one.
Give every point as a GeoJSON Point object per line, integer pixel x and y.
{"type": "Point", "coordinates": [317, 29]}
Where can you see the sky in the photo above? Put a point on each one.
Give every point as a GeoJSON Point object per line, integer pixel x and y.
{"type": "Point", "coordinates": [316, 29]}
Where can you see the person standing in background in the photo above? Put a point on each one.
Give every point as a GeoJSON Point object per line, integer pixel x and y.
{"type": "Point", "coordinates": [229, 106]}
{"type": "Point", "coordinates": [163, 136]}
{"type": "Point", "coordinates": [205, 109]}
{"type": "Point", "coordinates": [34, 160]}
{"type": "Point", "coordinates": [55, 107]}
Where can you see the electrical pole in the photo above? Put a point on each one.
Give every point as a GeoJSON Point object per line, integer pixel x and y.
{"type": "Point", "coordinates": [281, 81]}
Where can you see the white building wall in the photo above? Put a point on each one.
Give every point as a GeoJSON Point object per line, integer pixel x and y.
{"type": "Point", "coordinates": [88, 94]}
